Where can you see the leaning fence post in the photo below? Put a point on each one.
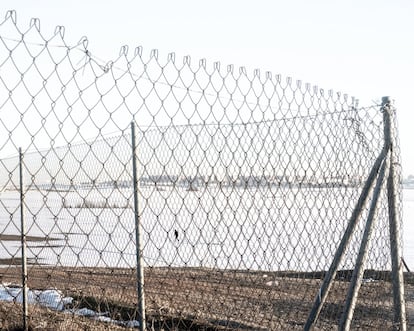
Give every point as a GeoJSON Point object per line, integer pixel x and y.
{"type": "Point", "coordinates": [358, 272]}
{"type": "Point", "coordinates": [394, 223]}
{"type": "Point", "coordinates": [330, 275]}
{"type": "Point", "coordinates": [23, 244]}
{"type": "Point", "coordinates": [138, 240]}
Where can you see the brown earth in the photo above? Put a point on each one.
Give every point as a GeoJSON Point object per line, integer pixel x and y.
{"type": "Point", "coordinates": [198, 299]}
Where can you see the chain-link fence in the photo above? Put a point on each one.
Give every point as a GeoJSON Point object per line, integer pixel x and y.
{"type": "Point", "coordinates": [175, 195]}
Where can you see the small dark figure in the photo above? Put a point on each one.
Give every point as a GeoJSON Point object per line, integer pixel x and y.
{"type": "Point", "coordinates": [176, 234]}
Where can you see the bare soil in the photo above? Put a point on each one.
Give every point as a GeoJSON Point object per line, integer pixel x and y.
{"type": "Point", "coordinates": [198, 299]}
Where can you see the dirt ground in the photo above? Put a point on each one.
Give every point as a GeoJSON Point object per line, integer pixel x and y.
{"type": "Point", "coordinates": [198, 299]}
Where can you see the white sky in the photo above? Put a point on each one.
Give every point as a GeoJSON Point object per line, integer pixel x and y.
{"type": "Point", "coordinates": [364, 48]}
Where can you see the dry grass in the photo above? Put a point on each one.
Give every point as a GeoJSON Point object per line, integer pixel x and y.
{"type": "Point", "coordinates": [197, 299]}
{"type": "Point", "coordinates": [47, 320]}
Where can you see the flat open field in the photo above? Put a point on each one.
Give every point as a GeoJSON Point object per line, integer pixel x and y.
{"type": "Point", "coordinates": [92, 254]}
{"type": "Point", "coordinates": [199, 299]}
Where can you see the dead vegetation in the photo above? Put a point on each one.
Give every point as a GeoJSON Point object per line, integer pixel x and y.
{"type": "Point", "coordinates": [198, 299]}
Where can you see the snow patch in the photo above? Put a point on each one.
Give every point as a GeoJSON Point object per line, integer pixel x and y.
{"type": "Point", "coordinates": [54, 299]}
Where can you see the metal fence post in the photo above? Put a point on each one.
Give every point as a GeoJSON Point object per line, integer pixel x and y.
{"type": "Point", "coordinates": [330, 275]}
{"type": "Point", "coordinates": [394, 224]}
{"type": "Point", "coordinates": [138, 239]}
{"type": "Point", "coordinates": [23, 244]}
{"type": "Point", "coordinates": [358, 272]}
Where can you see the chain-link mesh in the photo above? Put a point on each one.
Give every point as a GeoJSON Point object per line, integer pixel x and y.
{"type": "Point", "coordinates": [246, 184]}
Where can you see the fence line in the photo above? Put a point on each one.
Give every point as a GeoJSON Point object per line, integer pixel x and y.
{"type": "Point", "coordinates": [164, 196]}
